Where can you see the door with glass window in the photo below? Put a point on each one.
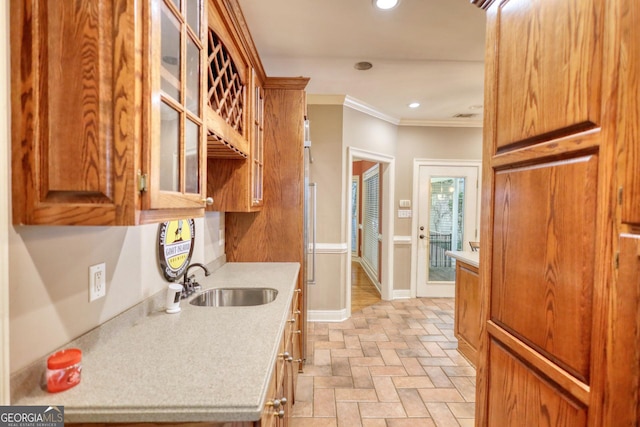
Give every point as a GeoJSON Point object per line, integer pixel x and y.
{"type": "Point", "coordinates": [447, 221]}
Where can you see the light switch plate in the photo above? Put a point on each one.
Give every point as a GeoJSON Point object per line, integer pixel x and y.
{"type": "Point", "coordinates": [97, 282]}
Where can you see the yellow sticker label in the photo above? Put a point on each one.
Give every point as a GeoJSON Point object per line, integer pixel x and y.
{"type": "Point", "coordinates": [175, 246]}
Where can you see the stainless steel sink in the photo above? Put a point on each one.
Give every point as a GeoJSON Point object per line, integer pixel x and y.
{"type": "Point", "coordinates": [234, 297]}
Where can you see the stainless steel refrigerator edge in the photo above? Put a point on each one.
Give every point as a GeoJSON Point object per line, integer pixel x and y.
{"type": "Point", "coordinates": [309, 234]}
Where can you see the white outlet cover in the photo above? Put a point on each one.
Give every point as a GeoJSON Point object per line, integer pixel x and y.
{"type": "Point", "coordinates": [97, 282]}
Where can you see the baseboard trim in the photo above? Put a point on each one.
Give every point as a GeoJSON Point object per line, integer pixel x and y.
{"type": "Point", "coordinates": [440, 291]}
{"type": "Point", "coordinates": [402, 294]}
{"type": "Point", "coordinates": [327, 315]}
{"type": "Point", "coordinates": [330, 248]}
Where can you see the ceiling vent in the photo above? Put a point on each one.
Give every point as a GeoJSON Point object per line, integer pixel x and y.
{"type": "Point", "coordinates": [465, 116]}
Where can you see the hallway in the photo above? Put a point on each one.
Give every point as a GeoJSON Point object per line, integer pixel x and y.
{"type": "Point", "coordinates": [363, 292]}
{"type": "Point", "coordinates": [393, 364]}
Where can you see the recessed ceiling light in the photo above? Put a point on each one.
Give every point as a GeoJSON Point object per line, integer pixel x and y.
{"type": "Point", "coordinates": [362, 66]}
{"type": "Point", "coordinates": [414, 105]}
{"type": "Point", "coordinates": [385, 4]}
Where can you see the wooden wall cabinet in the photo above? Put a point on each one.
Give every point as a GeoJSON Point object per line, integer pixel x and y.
{"type": "Point", "coordinates": [236, 184]}
{"type": "Point", "coordinates": [236, 115]}
{"type": "Point", "coordinates": [559, 264]}
{"type": "Point", "coordinates": [107, 101]}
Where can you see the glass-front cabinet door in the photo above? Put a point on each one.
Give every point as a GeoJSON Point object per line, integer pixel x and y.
{"type": "Point", "coordinates": [257, 146]}
{"type": "Point", "coordinates": [176, 136]}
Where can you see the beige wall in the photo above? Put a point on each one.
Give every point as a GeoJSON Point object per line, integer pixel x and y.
{"type": "Point", "coordinates": [48, 279]}
{"type": "Point", "coordinates": [369, 133]}
{"type": "Point", "coordinates": [333, 129]}
{"type": "Point", "coordinates": [427, 142]}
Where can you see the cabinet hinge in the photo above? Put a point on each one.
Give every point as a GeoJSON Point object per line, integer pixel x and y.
{"type": "Point", "coordinates": [142, 181]}
{"type": "Point", "coordinates": [620, 196]}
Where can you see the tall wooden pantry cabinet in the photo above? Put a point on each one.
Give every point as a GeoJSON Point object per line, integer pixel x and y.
{"type": "Point", "coordinates": [560, 265]}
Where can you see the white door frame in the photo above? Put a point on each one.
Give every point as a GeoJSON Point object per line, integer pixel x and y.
{"type": "Point", "coordinates": [387, 175]}
{"type": "Point", "coordinates": [417, 163]}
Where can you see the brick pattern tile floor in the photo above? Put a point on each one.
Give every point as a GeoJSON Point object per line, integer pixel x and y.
{"type": "Point", "coordinates": [393, 364]}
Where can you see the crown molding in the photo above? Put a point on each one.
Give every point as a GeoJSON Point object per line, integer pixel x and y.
{"type": "Point", "coordinates": [358, 105]}
{"type": "Point", "coordinates": [355, 104]}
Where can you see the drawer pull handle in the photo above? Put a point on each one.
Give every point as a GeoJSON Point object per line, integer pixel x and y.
{"type": "Point", "coordinates": [275, 403]}
{"type": "Point", "coordinates": [279, 414]}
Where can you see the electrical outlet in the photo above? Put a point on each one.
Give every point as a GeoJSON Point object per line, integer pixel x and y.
{"type": "Point", "coordinates": [97, 282]}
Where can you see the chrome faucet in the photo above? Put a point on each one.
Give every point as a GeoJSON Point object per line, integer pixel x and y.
{"type": "Point", "coordinates": [188, 282]}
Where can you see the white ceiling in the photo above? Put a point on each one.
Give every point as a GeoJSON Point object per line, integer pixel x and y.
{"type": "Point", "coordinates": [430, 51]}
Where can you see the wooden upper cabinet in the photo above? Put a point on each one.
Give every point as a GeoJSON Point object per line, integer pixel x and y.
{"type": "Point", "coordinates": [548, 64]}
{"type": "Point", "coordinates": [235, 117]}
{"type": "Point", "coordinates": [107, 111]}
{"type": "Point", "coordinates": [176, 52]}
{"type": "Point", "coordinates": [629, 103]}
{"type": "Point", "coordinates": [228, 74]}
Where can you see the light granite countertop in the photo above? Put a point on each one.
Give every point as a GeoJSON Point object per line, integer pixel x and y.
{"type": "Point", "coordinates": [468, 257]}
{"type": "Point", "coordinates": [202, 364]}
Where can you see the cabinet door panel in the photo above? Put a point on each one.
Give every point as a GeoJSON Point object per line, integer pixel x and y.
{"type": "Point", "coordinates": [549, 72]}
{"type": "Point", "coordinates": [65, 102]}
{"type": "Point", "coordinates": [77, 111]}
{"type": "Point", "coordinates": [520, 397]}
{"type": "Point", "coordinates": [543, 258]}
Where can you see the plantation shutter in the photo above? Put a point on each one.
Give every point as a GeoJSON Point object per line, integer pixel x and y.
{"type": "Point", "coordinates": [371, 218]}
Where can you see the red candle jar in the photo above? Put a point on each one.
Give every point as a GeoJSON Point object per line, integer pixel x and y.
{"type": "Point", "coordinates": [63, 369]}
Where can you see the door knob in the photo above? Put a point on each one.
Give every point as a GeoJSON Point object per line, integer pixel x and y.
{"type": "Point", "coordinates": [421, 228]}
{"type": "Point", "coordinates": [422, 236]}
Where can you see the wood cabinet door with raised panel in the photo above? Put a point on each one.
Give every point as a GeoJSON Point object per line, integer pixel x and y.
{"type": "Point", "coordinates": [547, 225]}
{"type": "Point", "coordinates": [73, 123]}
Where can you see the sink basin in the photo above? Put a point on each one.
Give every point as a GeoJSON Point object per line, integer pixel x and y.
{"type": "Point", "coordinates": [234, 297]}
